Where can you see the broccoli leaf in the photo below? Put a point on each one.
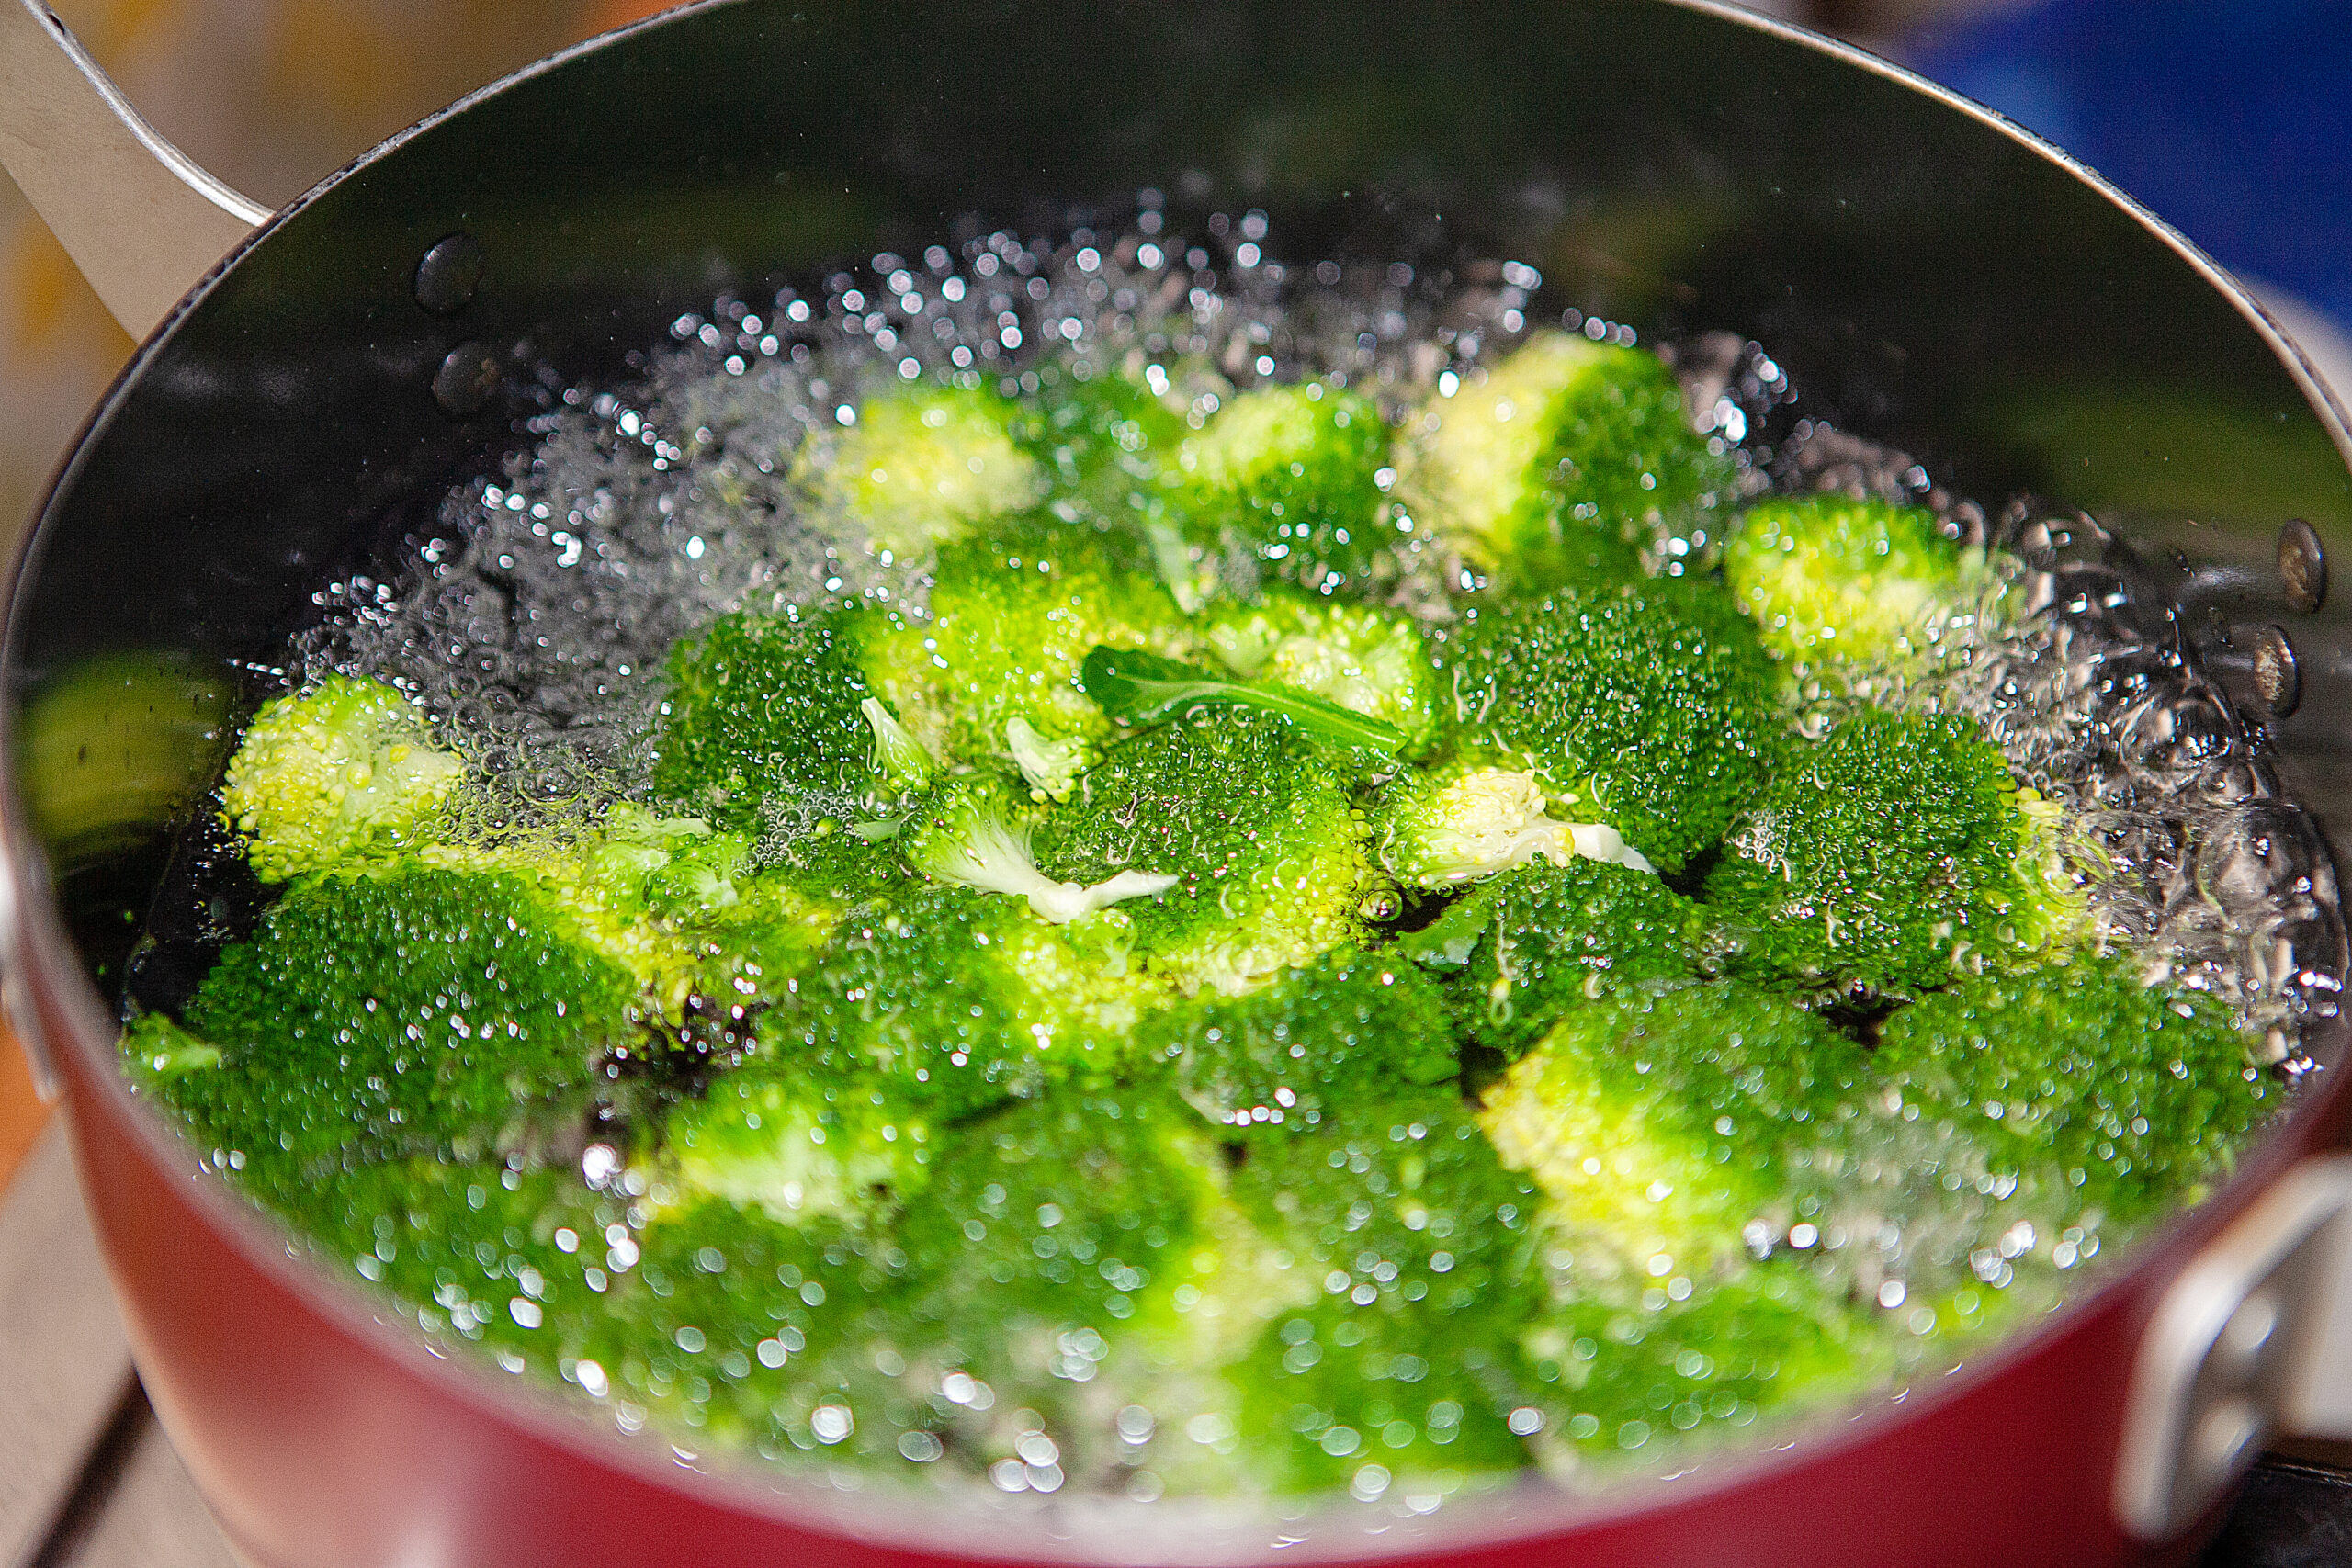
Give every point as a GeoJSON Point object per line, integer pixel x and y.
{"type": "Point", "coordinates": [1135, 687]}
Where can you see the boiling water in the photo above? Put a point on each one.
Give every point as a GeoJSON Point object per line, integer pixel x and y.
{"type": "Point", "coordinates": [537, 627]}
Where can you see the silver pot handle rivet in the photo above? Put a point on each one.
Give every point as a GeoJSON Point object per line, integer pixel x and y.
{"type": "Point", "coordinates": [2303, 565]}
{"type": "Point", "coordinates": [2276, 674]}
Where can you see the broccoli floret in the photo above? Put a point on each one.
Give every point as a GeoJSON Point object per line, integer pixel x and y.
{"type": "Point", "coordinates": [1272, 862]}
{"type": "Point", "coordinates": [1563, 464]}
{"type": "Point", "coordinates": [1106, 439]}
{"type": "Point", "coordinates": [959, 999]}
{"type": "Point", "coordinates": [1830, 578]}
{"type": "Point", "coordinates": [1649, 710]}
{"type": "Point", "coordinates": [343, 769]}
{"type": "Point", "coordinates": [761, 708]}
{"type": "Point", "coordinates": [1460, 821]}
{"type": "Point", "coordinates": [1286, 477]}
{"type": "Point", "coordinates": [1661, 1123]}
{"type": "Point", "coordinates": [1520, 950]}
{"type": "Point", "coordinates": [1896, 854]}
{"type": "Point", "coordinates": [920, 467]}
{"type": "Point", "coordinates": [970, 833]}
{"type": "Point", "coordinates": [1370, 661]}
{"type": "Point", "coordinates": [2092, 1091]}
{"type": "Point", "coordinates": [799, 1146]}
{"type": "Point", "coordinates": [1012, 615]}
{"type": "Point", "coordinates": [1419, 1246]}
{"type": "Point", "coordinates": [1348, 1025]}
{"type": "Point", "coordinates": [411, 1013]}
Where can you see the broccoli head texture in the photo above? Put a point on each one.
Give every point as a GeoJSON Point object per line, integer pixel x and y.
{"type": "Point", "coordinates": [1105, 440]}
{"type": "Point", "coordinates": [1368, 660]}
{"type": "Point", "coordinates": [1661, 1122]}
{"type": "Point", "coordinates": [1896, 854]}
{"type": "Point", "coordinates": [412, 1013]}
{"type": "Point", "coordinates": [1287, 477]}
{"type": "Point", "coordinates": [346, 768]}
{"type": "Point", "coordinates": [1563, 464]}
{"type": "Point", "coordinates": [1283, 1056]}
{"type": "Point", "coordinates": [1522, 950]}
{"type": "Point", "coordinates": [920, 467]}
{"type": "Point", "coordinates": [1825, 578]}
{"type": "Point", "coordinates": [802, 1146]}
{"type": "Point", "coordinates": [1272, 862]}
{"type": "Point", "coordinates": [1643, 709]}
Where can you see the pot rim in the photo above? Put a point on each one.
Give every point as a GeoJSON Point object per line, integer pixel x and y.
{"type": "Point", "coordinates": [42, 956]}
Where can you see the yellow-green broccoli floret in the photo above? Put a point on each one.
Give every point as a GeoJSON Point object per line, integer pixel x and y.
{"type": "Point", "coordinates": [1286, 477]}
{"type": "Point", "coordinates": [1272, 862]}
{"type": "Point", "coordinates": [1826, 578]}
{"type": "Point", "coordinates": [413, 1012]}
{"type": "Point", "coordinates": [1462, 820]}
{"type": "Point", "coordinates": [1650, 709]}
{"type": "Point", "coordinates": [1563, 464]}
{"type": "Point", "coordinates": [920, 467]}
{"type": "Point", "coordinates": [1517, 952]}
{"type": "Point", "coordinates": [343, 769]}
{"type": "Point", "coordinates": [1896, 853]}
{"type": "Point", "coordinates": [799, 1146]}
{"type": "Point", "coordinates": [1662, 1123]}
{"type": "Point", "coordinates": [1368, 660]}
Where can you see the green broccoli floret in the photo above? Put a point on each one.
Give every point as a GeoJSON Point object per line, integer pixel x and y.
{"type": "Point", "coordinates": [991, 670]}
{"type": "Point", "coordinates": [1827, 578]}
{"type": "Point", "coordinates": [969, 832]}
{"type": "Point", "coordinates": [1370, 661]}
{"type": "Point", "coordinates": [799, 1146]}
{"type": "Point", "coordinates": [1105, 440]}
{"type": "Point", "coordinates": [1660, 1123]}
{"type": "Point", "coordinates": [1418, 1246]}
{"type": "Point", "coordinates": [1649, 710]}
{"type": "Point", "coordinates": [1272, 862]}
{"type": "Point", "coordinates": [959, 999]}
{"type": "Point", "coordinates": [2092, 1091]}
{"type": "Point", "coordinates": [1462, 820]}
{"type": "Point", "coordinates": [1533, 945]}
{"type": "Point", "coordinates": [1896, 854]}
{"type": "Point", "coordinates": [411, 1013]}
{"type": "Point", "coordinates": [1286, 477]}
{"type": "Point", "coordinates": [343, 769]}
{"type": "Point", "coordinates": [766, 708]}
{"type": "Point", "coordinates": [920, 467]}
{"type": "Point", "coordinates": [1349, 1025]}
{"type": "Point", "coordinates": [1565, 464]}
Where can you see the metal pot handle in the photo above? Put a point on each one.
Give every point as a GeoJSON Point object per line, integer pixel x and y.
{"type": "Point", "coordinates": [137, 216]}
{"type": "Point", "coordinates": [2253, 1338]}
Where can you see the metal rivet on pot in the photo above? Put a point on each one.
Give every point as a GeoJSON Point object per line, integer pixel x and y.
{"type": "Point", "coordinates": [2303, 565]}
{"type": "Point", "coordinates": [2275, 674]}
{"type": "Point", "coordinates": [449, 274]}
{"type": "Point", "coordinates": [466, 380]}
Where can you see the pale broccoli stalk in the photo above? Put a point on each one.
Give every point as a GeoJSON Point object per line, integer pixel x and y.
{"type": "Point", "coordinates": [345, 769]}
{"type": "Point", "coordinates": [898, 756]}
{"type": "Point", "coordinates": [1052, 767]}
{"type": "Point", "coordinates": [1139, 688]}
{"type": "Point", "coordinates": [1463, 821]}
{"type": "Point", "coordinates": [969, 835]}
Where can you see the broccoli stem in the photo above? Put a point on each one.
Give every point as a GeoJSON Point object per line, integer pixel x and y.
{"type": "Point", "coordinates": [1135, 687]}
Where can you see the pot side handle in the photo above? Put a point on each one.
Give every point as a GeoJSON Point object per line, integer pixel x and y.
{"type": "Point", "coordinates": [138, 216]}
{"type": "Point", "coordinates": [2252, 1339]}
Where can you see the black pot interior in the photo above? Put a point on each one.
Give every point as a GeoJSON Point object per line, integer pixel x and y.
{"type": "Point", "coordinates": [1926, 279]}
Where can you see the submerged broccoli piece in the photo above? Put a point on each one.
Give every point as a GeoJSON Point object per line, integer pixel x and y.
{"type": "Point", "coordinates": [1286, 477]}
{"type": "Point", "coordinates": [1827, 578]}
{"type": "Point", "coordinates": [1347, 1026]}
{"type": "Point", "coordinates": [1661, 1123]}
{"type": "Point", "coordinates": [1563, 463]}
{"type": "Point", "coordinates": [411, 1013]}
{"type": "Point", "coordinates": [920, 467]}
{"type": "Point", "coordinates": [1368, 660]}
{"type": "Point", "coordinates": [1649, 710]}
{"type": "Point", "coordinates": [969, 833]}
{"type": "Point", "coordinates": [1105, 440]}
{"type": "Point", "coordinates": [800, 1145]}
{"type": "Point", "coordinates": [343, 769]}
{"type": "Point", "coordinates": [1896, 853]}
{"type": "Point", "coordinates": [1460, 821]}
{"type": "Point", "coordinates": [2089, 1089]}
{"type": "Point", "coordinates": [764, 707]}
{"type": "Point", "coordinates": [992, 669]}
{"type": "Point", "coordinates": [1271, 860]}
{"type": "Point", "coordinates": [1523, 950]}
